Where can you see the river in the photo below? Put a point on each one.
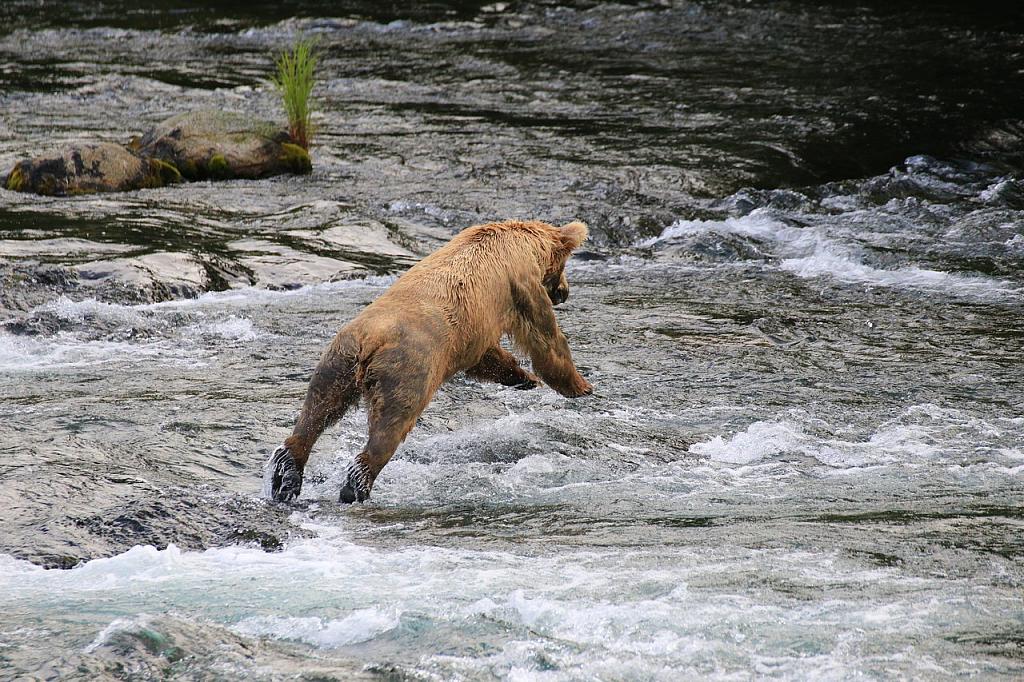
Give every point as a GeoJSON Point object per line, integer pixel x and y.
{"type": "Point", "coordinates": [802, 309]}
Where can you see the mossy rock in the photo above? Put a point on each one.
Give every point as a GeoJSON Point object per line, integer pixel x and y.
{"type": "Point", "coordinates": [89, 168]}
{"type": "Point", "coordinates": [211, 144]}
{"type": "Point", "coordinates": [295, 158]}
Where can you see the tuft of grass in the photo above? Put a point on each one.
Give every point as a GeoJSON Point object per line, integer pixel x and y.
{"type": "Point", "coordinates": [294, 80]}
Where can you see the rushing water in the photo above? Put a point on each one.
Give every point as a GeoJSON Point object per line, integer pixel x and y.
{"type": "Point", "coordinates": [802, 311]}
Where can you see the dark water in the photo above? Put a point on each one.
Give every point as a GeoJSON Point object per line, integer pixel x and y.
{"type": "Point", "coordinates": [802, 309]}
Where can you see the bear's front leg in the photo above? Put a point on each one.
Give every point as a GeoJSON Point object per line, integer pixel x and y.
{"type": "Point", "coordinates": [501, 367]}
{"type": "Point", "coordinates": [561, 374]}
{"type": "Point", "coordinates": [537, 332]}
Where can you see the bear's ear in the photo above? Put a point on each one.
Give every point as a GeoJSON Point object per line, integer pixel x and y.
{"type": "Point", "coordinates": [574, 234]}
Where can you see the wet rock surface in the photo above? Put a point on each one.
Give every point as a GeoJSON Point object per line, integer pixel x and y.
{"type": "Point", "coordinates": [221, 145]}
{"type": "Point", "coordinates": [173, 648]}
{"type": "Point", "coordinates": [89, 168]}
{"type": "Point", "coordinates": [156, 276]}
{"type": "Point", "coordinates": [24, 285]}
{"type": "Point", "coordinates": [164, 516]}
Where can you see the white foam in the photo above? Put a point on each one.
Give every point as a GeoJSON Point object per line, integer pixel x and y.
{"type": "Point", "coordinates": [26, 353]}
{"type": "Point", "coordinates": [11, 566]}
{"type": "Point", "coordinates": [232, 328]}
{"type": "Point", "coordinates": [566, 614]}
{"type": "Point", "coordinates": [759, 441]}
{"type": "Point", "coordinates": [79, 311]}
{"type": "Point", "coordinates": [810, 252]}
{"type": "Point", "coordinates": [757, 224]}
{"type": "Point", "coordinates": [543, 607]}
{"type": "Point", "coordinates": [359, 626]}
{"type": "Point", "coordinates": [256, 295]}
{"type": "Point", "coordinates": [129, 624]}
{"type": "Point", "coordinates": [921, 434]}
{"type": "Point", "coordinates": [824, 263]}
{"type": "Point", "coordinates": [679, 632]}
{"type": "Point", "coordinates": [519, 459]}
{"type": "Point", "coordinates": [67, 350]}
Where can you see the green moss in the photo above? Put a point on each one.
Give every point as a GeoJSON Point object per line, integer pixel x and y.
{"type": "Point", "coordinates": [218, 169]}
{"type": "Point", "coordinates": [16, 181]}
{"type": "Point", "coordinates": [167, 172]}
{"type": "Point", "coordinates": [296, 159]}
{"type": "Point", "coordinates": [189, 170]}
{"type": "Point", "coordinates": [159, 174]}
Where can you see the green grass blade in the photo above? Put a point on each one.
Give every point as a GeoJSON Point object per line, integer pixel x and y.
{"type": "Point", "coordinates": [294, 80]}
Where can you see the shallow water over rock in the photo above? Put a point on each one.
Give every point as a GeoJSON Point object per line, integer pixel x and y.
{"type": "Point", "coordinates": [801, 310]}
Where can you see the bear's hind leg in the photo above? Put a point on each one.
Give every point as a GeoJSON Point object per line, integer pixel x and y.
{"type": "Point", "coordinates": [501, 367]}
{"type": "Point", "coordinates": [386, 433]}
{"type": "Point", "coordinates": [396, 398]}
{"type": "Point", "coordinates": [332, 390]}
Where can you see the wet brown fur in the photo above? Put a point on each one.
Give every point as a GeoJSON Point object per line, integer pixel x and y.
{"type": "Point", "coordinates": [445, 315]}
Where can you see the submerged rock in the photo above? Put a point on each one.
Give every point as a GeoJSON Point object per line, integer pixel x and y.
{"type": "Point", "coordinates": [128, 512]}
{"type": "Point", "coordinates": [175, 647]}
{"type": "Point", "coordinates": [212, 144]}
{"type": "Point", "coordinates": [27, 284]}
{"type": "Point", "coordinates": [89, 168]}
{"type": "Point", "coordinates": [159, 276]}
{"type": "Point", "coordinates": [276, 266]}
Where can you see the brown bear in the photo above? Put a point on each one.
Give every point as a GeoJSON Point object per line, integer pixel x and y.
{"type": "Point", "coordinates": [446, 314]}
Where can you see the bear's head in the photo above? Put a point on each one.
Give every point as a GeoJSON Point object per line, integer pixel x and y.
{"type": "Point", "coordinates": [570, 236]}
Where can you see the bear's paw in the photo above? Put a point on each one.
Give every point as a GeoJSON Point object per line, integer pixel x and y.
{"type": "Point", "coordinates": [282, 478]}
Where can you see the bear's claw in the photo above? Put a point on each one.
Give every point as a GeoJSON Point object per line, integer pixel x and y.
{"type": "Point", "coordinates": [357, 484]}
{"type": "Point", "coordinates": [285, 479]}
{"type": "Point", "coordinates": [527, 384]}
